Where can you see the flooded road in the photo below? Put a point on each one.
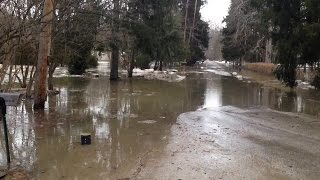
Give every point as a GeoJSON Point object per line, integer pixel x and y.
{"type": "Point", "coordinates": [135, 122]}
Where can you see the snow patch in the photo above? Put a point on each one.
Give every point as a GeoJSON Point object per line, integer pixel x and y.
{"type": "Point", "coordinates": [209, 63]}
{"type": "Point", "coordinates": [218, 72]}
{"type": "Point", "coordinates": [239, 77]}
{"type": "Point", "coordinates": [147, 122]}
{"type": "Point", "coordinates": [169, 76]}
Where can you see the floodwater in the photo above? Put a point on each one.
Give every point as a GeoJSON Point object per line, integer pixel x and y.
{"type": "Point", "coordinates": [126, 119]}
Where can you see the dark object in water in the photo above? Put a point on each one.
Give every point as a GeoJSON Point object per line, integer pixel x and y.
{"type": "Point", "coordinates": [85, 139]}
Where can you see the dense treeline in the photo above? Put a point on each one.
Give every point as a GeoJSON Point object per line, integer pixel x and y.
{"type": "Point", "coordinates": [38, 36]}
{"type": "Point", "coordinates": [285, 32]}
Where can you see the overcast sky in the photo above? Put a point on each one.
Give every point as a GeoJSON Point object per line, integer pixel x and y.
{"type": "Point", "coordinates": [215, 10]}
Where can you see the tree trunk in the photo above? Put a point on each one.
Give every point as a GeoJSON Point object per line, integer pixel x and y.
{"type": "Point", "coordinates": [161, 66]}
{"type": "Point", "coordinates": [194, 20]}
{"type": "Point", "coordinates": [25, 76]}
{"type": "Point", "coordinates": [114, 47]}
{"type": "Point", "coordinates": [40, 88]}
{"type": "Point", "coordinates": [50, 83]}
{"type": "Point", "coordinates": [30, 83]}
{"type": "Point", "coordinates": [114, 64]}
{"type": "Point", "coordinates": [52, 68]}
{"type": "Point", "coordinates": [268, 51]}
{"type": "Point", "coordinates": [185, 22]}
{"type": "Point", "coordinates": [156, 66]}
{"type": "Point", "coordinates": [131, 66]}
{"type": "Point", "coordinates": [10, 78]}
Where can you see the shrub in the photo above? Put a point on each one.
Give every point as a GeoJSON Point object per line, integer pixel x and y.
{"type": "Point", "coordinates": [92, 61]}
{"type": "Point", "coordinates": [143, 61]}
{"type": "Point", "coordinates": [77, 66]}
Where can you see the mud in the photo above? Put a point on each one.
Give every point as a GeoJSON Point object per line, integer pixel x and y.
{"type": "Point", "coordinates": [233, 143]}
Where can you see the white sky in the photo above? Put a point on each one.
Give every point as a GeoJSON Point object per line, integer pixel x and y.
{"type": "Point", "coordinates": [215, 10]}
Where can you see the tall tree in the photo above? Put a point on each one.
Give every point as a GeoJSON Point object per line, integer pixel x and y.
{"type": "Point", "coordinates": [158, 33]}
{"type": "Point", "coordinates": [245, 35]}
{"type": "Point", "coordinates": [40, 88]}
{"type": "Point", "coordinates": [197, 37]}
{"type": "Point", "coordinates": [186, 20]}
{"type": "Point", "coordinates": [286, 19]}
{"type": "Point", "coordinates": [114, 73]}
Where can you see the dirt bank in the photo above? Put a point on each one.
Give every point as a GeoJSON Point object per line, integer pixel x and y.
{"type": "Point", "coordinates": [232, 143]}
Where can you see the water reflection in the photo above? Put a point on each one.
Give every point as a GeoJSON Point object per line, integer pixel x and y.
{"type": "Point", "coordinates": [213, 92]}
{"type": "Point", "coordinates": [223, 91]}
{"type": "Point", "coordinates": [47, 143]}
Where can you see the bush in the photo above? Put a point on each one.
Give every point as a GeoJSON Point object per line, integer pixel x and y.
{"type": "Point", "coordinates": [143, 61]}
{"type": "Point", "coordinates": [77, 66]}
{"type": "Point", "coordinates": [316, 82]}
{"type": "Point", "coordinates": [92, 61]}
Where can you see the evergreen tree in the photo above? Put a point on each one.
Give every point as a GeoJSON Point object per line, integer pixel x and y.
{"type": "Point", "coordinates": [158, 34]}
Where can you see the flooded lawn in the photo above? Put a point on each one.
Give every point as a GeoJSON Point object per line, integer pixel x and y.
{"type": "Point", "coordinates": [127, 120]}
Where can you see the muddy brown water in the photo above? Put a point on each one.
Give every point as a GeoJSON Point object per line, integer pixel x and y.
{"type": "Point", "coordinates": [126, 119]}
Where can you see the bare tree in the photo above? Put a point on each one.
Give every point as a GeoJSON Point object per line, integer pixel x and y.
{"type": "Point", "coordinates": [18, 24]}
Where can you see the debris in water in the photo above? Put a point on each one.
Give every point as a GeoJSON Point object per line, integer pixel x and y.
{"type": "Point", "coordinates": [147, 122]}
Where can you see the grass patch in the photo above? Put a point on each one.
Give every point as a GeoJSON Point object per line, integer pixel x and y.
{"type": "Point", "coordinates": [264, 68]}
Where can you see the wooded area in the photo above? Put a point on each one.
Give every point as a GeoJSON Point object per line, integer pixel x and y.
{"type": "Point", "coordinates": [38, 36]}
{"type": "Point", "coordinates": [284, 32]}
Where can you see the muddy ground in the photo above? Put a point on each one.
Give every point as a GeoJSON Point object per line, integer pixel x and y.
{"type": "Point", "coordinates": [233, 143]}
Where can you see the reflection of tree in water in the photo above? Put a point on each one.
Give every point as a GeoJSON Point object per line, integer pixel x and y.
{"type": "Point", "coordinates": [309, 102]}
{"type": "Point", "coordinates": [194, 90]}
{"type": "Point", "coordinates": [237, 94]}
{"type": "Point", "coordinates": [129, 103]}
{"type": "Point", "coordinates": [110, 112]}
{"type": "Point", "coordinates": [22, 136]}
{"type": "Point", "coordinates": [287, 101]}
{"type": "Point", "coordinates": [241, 94]}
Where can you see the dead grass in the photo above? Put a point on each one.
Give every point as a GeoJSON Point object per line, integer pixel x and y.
{"type": "Point", "coordinates": [268, 69]}
{"type": "Point", "coordinates": [264, 68]}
